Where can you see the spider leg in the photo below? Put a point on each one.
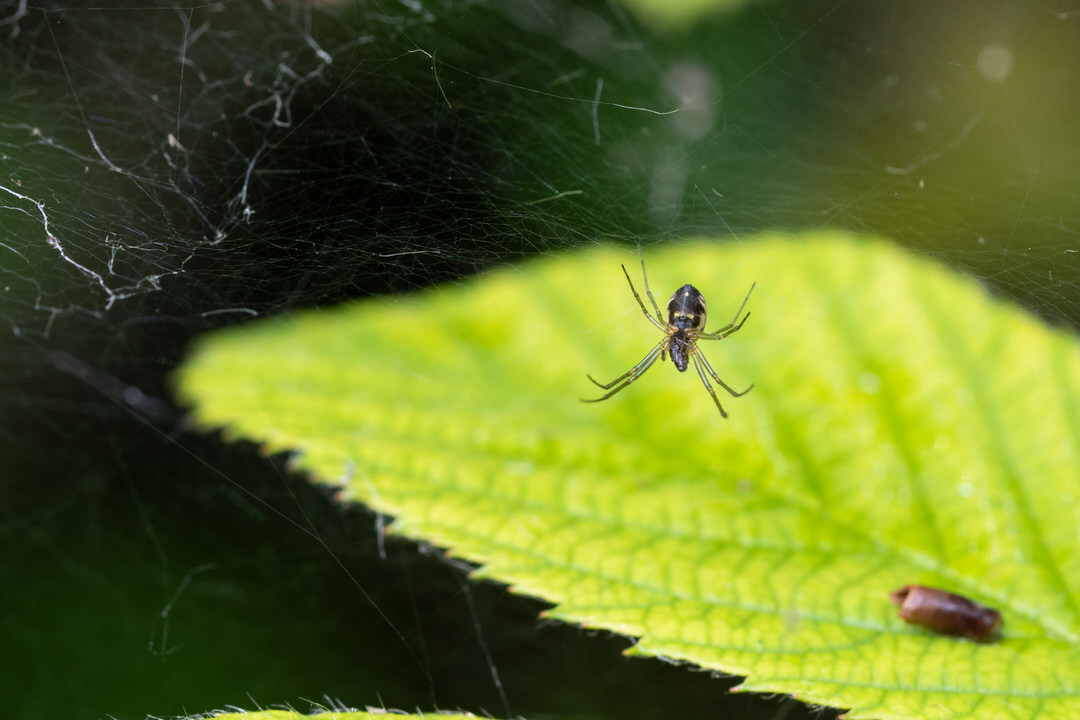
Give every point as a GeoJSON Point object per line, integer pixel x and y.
{"type": "Point", "coordinates": [641, 304]}
{"type": "Point", "coordinates": [630, 375]}
{"type": "Point", "coordinates": [731, 327]}
{"type": "Point", "coordinates": [704, 361]}
{"type": "Point", "coordinates": [705, 382]}
{"type": "Point", "coordinates": [724, 331]}
{"type": "Point", "coordinates": [648, 292]}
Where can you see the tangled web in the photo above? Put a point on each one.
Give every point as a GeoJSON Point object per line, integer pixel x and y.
{"type": "Point", "coordinates": [253, 158]}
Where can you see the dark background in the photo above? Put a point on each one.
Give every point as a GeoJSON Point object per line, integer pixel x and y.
{"type": "Point", "coordinates": [169, 169]}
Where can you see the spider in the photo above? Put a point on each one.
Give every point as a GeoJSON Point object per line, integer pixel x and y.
{"type": "Point", "coordinates": [685, 326]}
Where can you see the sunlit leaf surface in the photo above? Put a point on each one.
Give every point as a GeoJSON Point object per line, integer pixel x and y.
{"type": "Point", "coordinates": [905, 427]}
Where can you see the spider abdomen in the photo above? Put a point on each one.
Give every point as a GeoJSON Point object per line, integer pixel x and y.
{"type": "Point", "coordinates": [686, 310]}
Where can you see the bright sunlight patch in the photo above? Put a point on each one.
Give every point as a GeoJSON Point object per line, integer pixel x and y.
{"type": "Point", "coordinates": [904, 428]}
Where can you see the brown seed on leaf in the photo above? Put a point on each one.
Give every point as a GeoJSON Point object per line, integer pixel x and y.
{"type": "Point", "coordinates": [947, 613]}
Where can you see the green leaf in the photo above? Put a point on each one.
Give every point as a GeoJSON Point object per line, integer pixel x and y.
{"type": "Point", "coordinates": [677, 14]}
{"type": "Point", "coordinates": [334, 715]}
{"type": "Point", "coordinates": [905, 427]}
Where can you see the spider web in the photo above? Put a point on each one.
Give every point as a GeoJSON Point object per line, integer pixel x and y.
{"type": "Point", "coordinates": [169, 168]}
